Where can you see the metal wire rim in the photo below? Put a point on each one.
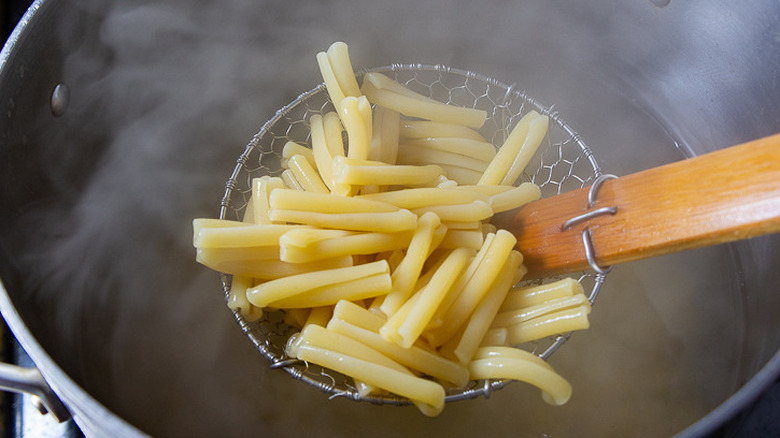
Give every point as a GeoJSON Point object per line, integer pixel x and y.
{"type": "Point", "coordinates": [562, 148]}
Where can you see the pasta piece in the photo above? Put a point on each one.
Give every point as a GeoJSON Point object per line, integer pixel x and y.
{"type": "Point", "coordinates": [460, 174]}
{"type": "Point", "coordinates": [304, 237]}
{"type": "Point", "coordinates": [329, 76]}
{"type": "Point", "coordinates": [464, 347]}
{"type": "Point", "coordinates": [481, 151]}
{"type": "Point", "coordinates": [319, 316]}
{"type": "Point", "coordinates": [427, 395]}
{"type": "Point", "coordinates": [217, 256]}
{"type": "Point", "coordinates": [356, 118]}
{"type": "Point", "coordinates": [536, 132]}
{"type": "Point", "coordinates": [521, 195]}
{"type": "Point", "coordinates": [338, 58]}
{"type": "Point", "coordinates": [428, 129]}
{"type": "Point", "coordinates": [422, 107]}
{"type": "Point", "coordinates": [432, 295]}
{"type": "Point", "coordinates": [364, 172]}
{"type": "Point", "coordinates": [562, 321]}
{"type": "Point", "coordinates": [354, 244]}
{"type": "Point", "coordinates": [409, 154]}
{"type": "Point", "coordinates": [475, 289]}
{"type": "Point", "coordinates": [533, 295]}
{"type": "Point", "coordinates": [511, 363]}
{"type": "Point", "coordinates": [445, 306]}
{"type": "Point", "coordinates": [425, 197]}
{"type": "Point", "coordinates": [296, 317]}
{"type": "Point", "coordinates": [275, 290]}
{"type": "Point", "coordinates": [488, 190]}
{"type": "Point", "coordinates": [511, 317]}
{"type": "Point", "coordinates": [324, 203]}
{"type": "Point", "coordinates": [261, 189]}
{"type": "Point", "coordinates": [462, 239]}
{"type": "Point", "coordinates": [272, 269]}
{"type": "Point", "coordinates": [292, 148]}
{"type": "Point", "coordinates": [415, 357]}
{"type": "Point", "coordinates": [210, 236]}
{"type": "Point", "coordinates": [306, 175]}
{"type": "Point", "coordinates": [405, 276]}
{"type": "Point", "coordinates": [516, 151]}
{"type": "Point", "coordinates": [290, 181]}
{"type": "Point", "coordinates": [237, 301]}
{"type": "Point", "coordinates": [323, 154]}
{"type": "Point", "coordinates": [474, 211]}
{"type": "Point", "coordinates": [385, 129]}
{"type": "Point", "coordinates": [352, 290]}
{"type": "Point", "coordinates": [388, 222]}
{"type": "Point", "coordinates": [495, 337]}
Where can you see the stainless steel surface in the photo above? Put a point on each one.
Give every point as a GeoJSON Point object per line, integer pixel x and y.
{"type": "Point", "coordinates": [163, 98]}
{"type": "Point", "coordinates": [29, 380]}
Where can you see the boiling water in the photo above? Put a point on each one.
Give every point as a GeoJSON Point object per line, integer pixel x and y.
{"type": "Point", "coordinates": [118, 301]}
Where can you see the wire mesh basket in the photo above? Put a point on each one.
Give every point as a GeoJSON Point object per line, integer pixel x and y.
{"type": "Point", "coordinates": [562, 163]}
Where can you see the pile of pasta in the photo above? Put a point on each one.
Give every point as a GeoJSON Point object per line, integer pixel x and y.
{"type": "Point", "coordinates": [382, 253]}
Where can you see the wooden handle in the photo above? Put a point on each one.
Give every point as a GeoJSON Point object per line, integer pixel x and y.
{"type": "Point", "coordinates": [727, 195]}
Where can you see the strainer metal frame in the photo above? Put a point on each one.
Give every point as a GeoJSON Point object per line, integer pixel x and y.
{"type": "Point", "coordinates": [504, 103]}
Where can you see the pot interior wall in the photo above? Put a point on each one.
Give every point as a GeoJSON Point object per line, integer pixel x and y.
{"type": "Point", "coordinates": [96, 204]}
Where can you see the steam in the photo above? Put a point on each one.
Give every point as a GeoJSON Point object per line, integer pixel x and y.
{"type": "Point", "coordinates": [164, 97]}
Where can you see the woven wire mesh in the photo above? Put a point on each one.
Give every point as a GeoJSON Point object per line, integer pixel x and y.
{"type": "Point", "coordinates": [562, 163]}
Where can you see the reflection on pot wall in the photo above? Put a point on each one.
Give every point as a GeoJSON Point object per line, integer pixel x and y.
{"type": "Point", "coordinates": [165, 96]}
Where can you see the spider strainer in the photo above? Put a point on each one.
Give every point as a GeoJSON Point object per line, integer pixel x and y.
{"type": "Point", "coordinates": [562, 163]}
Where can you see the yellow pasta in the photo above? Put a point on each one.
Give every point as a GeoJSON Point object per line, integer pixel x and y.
{"type": "Point", "coordinates": [409, 154]}
{"type": "Point", "coordinates": [401, 220]}
{"type": "Point", "coordinates": [324, 203]}
{"type": "Point", "coordinates": [445, 306]}
{"type": "Point", "coordinates": [533, 295]}
{"type": "Point", "coordinates": [424, 108]}
{"type": "Point", "coordinates": [353, 290]}
{"type": "Point", "coordinates": [462, 239]}
{"type": "Point", "coordinates": [562, 321]}
{"type": "Point", "coordinates": [292, 285]}
{"type": "Point", "coordinates": [475, 289]}
{"type": "Point", "coordinates": [272, 269]}
{"type": "Point", "coordinates": [405, 275]}
{"type": "Point", "coordinates": [429, 129]}
{"type": "Point", "coordinates": [319, 316]}
{"type": "Point", "coordinates": [425, 197]}
{"type": "Point", "coordinates": [386, 132]}
{"type": "Point", "coordinates": [432, 295]}
{"type": "Point", "coordinates": [429, 394]}
{"type": "Point", "coordinates": [511, 317]}
{"type": "Point", "coordinates": [292, 148]}
{"type": "Point", "coordinates": [415, 357]}
{"type": "Point", "coordinates": [322, 152]}
{"type": "Point", "coordinates": [464, 347]}
{"type": "Point", "coordinates": [514, 198]}
{"type": "Point", "coordinates": [511, 363]}
{"type": "Point", "coordinates": [306, 175]}
{"type": "Point", "coordinates": [364, 172]}
{"type": "Point", "coordinates": [329, 76]}
{"type": "Point", "coordinates": [356, 118]}
{"type": "Point", "coordinates": [473, 211]}
{"type": "Point", "coordinates": [207, 235]}
{"type": "Point", "coordinates": [353, 244]}
{"type": "Point", "coordinates": [237, 298]}
{"type": "Point", "coordinates": [481, 151]}
{"type": "Point", "coordinates": [261, 189]}
{"type": "Point", "coordinates": [338, 58]}
{"type": "Point", "coordinates": [495, 337]}
{"type": "Point", "coordinates": [290, 181]}
{"type": "Point", "coordinates": [518, 148]}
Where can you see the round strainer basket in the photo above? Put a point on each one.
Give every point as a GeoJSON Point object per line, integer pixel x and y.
{"type": "Point", "coordinates": [562, 163]}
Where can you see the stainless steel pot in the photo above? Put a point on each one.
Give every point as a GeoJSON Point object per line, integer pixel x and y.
{"type": "Point", "coordinates": [156, 101]}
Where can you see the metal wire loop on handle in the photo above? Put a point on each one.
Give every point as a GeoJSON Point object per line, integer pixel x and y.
{"type": "Point", "coordinates": [587, 238]}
